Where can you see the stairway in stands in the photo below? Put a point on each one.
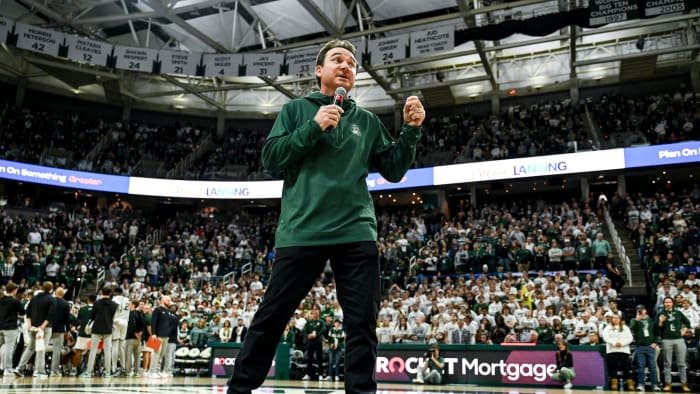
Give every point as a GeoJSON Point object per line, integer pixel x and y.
{"type": "Point", "coordinates": [636, 293]}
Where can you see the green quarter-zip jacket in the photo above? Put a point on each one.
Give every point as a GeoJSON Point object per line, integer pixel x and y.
{"type": "Point", "coordinates": [325, 199]}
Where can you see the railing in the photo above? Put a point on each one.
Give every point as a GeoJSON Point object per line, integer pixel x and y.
{"type": "Point", "coordinates": [617, 242]}
{"type": "Point", "coordinates": [188, 161]}
{"type": "Point", "coordinates": [104, 144]}
{"type": "Point", "coordinates": [246, 268]}
{"type": "Point", "coordinates": [100, 280]}
{"type": "Point", "coordinates": [592, 129]}
{"type": "Point", "coordinates": [228, 276]}
{"type": "Point", "coordinates": [413, 264]}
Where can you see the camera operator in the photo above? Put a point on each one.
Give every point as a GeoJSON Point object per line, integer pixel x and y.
{"type": "Point", "coordinates": [431, 370]}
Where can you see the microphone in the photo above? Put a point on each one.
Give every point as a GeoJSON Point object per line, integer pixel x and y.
{"type": "Point", "coordinates": [338, 99]}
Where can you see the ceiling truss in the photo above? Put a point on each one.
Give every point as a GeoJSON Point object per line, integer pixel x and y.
{"type": "Point", "coordinates": [85, 18]}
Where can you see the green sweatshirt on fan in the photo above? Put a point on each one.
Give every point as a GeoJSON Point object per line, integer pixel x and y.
{"type": "Point", "coordinates": [325, 199]}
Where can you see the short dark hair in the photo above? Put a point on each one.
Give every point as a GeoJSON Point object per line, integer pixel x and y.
{"type": "Point", "coordinates": [334, 43]}
{"type": "Point", "coordinates": [10, 287]}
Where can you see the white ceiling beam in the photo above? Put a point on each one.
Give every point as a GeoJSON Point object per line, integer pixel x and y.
{"type": "Point", "coordinates": [320, 17]}
{"type": "Point", "coordinates": [191, 90]}
{"type": "Point", "coordinates": [628, 56]}
{"type": "Point", "coordinates": [170, 15]}
{"type": "Point", "coordinates": [144, 15]}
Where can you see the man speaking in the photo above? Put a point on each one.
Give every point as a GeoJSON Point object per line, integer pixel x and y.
{"type": "Point", "coordinates": [323, 147]}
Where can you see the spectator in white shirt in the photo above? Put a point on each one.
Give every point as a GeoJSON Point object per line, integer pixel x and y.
{"type": "Point", "coordinates": [690, 313]}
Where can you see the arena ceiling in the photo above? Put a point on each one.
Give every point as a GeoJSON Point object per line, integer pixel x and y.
{"type": "Point", "coordinates": [475, 70]}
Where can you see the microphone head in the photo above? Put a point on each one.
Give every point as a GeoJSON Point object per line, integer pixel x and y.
{"type": "Point", "coordinates": [340, 94]}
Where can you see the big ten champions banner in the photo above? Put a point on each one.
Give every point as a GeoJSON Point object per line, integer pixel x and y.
{"type": "Point", "coordinates": [492, 365]}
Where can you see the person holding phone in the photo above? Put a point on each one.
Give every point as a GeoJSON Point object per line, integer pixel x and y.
{"type": "Point", "coordinates": [642, 327]}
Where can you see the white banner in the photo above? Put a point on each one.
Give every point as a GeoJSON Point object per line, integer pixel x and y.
{"type": "Point", "coordinates": [176, 62]}
{"type": "Point", "coordinates": [663, 7]}
{"type": "Point", "coordinates": [39, 40]}
{"type": "Point", "coordinates": [528, 167]}
{"type": "Point", "coordinates": [387, 49]}
{"type": "Point", "coordinates": [89, 51]}
{"type": "Point", "coordinates": [5, 26]}
{"type": "Point", "coordinates": [263, 64]}
{"type": "Point", "coordinates": [302, 61]}
{"type": "Point", "coordinates": [223, 65]}
{"type": "Point", "coordinates": [205, 189]}
{"type": "Point", "coordinates": [135, 59]}
{"type": "Point", "coordinates": [428, 42]}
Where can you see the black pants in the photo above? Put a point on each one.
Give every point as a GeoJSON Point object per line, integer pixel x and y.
{"type": "Point", "coordinates": [314, 352]}
{"type": "Point", "coordinates": [618, 365]}
{"type": "Point", "coordinates": [356, 271]}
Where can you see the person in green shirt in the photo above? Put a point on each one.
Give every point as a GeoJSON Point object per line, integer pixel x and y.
{"type": "Point", "coordinates": [289, 334]}
{"type": "Point", "coordinates": [323, 146]}
{"type": "Point", "coordinates": [544, 332]}
{"type": "Point", "coordinates": [670, 322]}
{"type": "Point", "coordinates": [336, 348]}
{"type": "Point", "coordinates": [430, 371]}
{"type": "Point", "coordinates": [642, 327]}
{"type": "Point", "coordinates": [601, 249]}
{"type": "Point", "coordinates": [81, 344]}
{"type": "Point", "coordinates": [314, 330]}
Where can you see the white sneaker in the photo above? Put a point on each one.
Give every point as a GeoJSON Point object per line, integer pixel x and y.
{"type": "Point", "coordinates": [640, 388]}
{"type": "Point", "coordinates": [8, 372]}
{"type": "Point", "coordinates": [568, 386]}
{"type": "Point", "coordinates": [324, 377]}
{"type": "Point", "coordinates": [306, 377]}
{"type": "Point", "coordinates": [418, 380]}
{"type": "Point", "coordinates": [337, 378]}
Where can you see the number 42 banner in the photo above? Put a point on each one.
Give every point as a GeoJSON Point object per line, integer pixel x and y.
{"type": "Point", "coordinates": [39, 40]}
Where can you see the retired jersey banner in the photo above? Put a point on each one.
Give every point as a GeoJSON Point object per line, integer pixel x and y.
{"type": "Point", "coordinates": [135, 59]}
{"type": "Point", "coordinates": [601, 12]}
{"type": "Point", "coordinates": [664, 7]}
{"type": "Point", "coordinates": [263, 64]}
{"type": "Point", "coordinates": [176, 62]}
{"type": "Point", "coordinates": [224, 65]}
{"type": "Point", "coordinates": [428, 42]}
{"type": "Point", "coordinates": [5, 26]}
{"type": "Point", "coordinates": [39, 40]}
{"type": "Point", "coordinates": [88, 51]}
{"type": "Point", "coordinates": [301, 61]}
{"type": "Point", "coordinates": [387, 49]}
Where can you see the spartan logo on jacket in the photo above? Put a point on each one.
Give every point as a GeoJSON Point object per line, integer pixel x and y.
{"type": "Point", "coordinates": [356, 129]}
